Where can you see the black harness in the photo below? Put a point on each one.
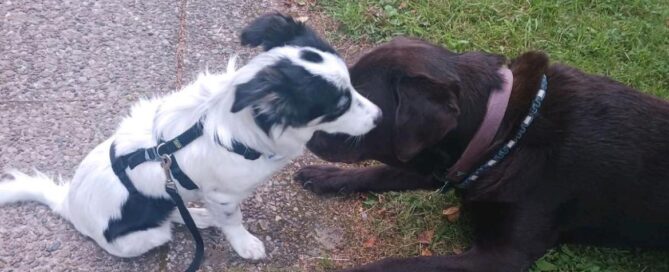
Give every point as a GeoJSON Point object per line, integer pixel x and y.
{"type": "Point", "coordinates": [164, 153]}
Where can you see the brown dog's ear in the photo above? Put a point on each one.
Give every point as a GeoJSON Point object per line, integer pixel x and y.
{"type": "Point", "coordinates": [527, 71]}
{"type": "Point", "coordinates": [427, 110]}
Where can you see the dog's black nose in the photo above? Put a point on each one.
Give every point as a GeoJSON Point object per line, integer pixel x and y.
{"type": "Point", "coordinates": [377, 119]}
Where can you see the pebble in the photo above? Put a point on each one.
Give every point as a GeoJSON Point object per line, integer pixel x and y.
{"type": "Point", "coordinates": [264, 225]}
{"type": "Point", "coordinates": [53, 247]}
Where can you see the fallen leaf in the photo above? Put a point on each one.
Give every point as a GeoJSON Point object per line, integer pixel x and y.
{"type": "Point", "coordinates": [403, 5]}
{"type": "Point", "coordinates": [371, 242]}
{"type": "Point", "coordinates": [425, 252]}
{"type": "Point", "coordinates": [425, 238]}
{"type": "Point", "coordinates": [457, 250]}
{"type": "Point", "coordinates": [452, 214]}
{"type": "Point", "coordinates": [363, 215]}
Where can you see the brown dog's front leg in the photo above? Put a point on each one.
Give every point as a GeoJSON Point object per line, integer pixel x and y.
{"type": "Point", "coordinates": [507, 237]}
{"type": "Point", "coordinates": [328, 179]}
{"type": "Point", "coordinates": [499, 260]}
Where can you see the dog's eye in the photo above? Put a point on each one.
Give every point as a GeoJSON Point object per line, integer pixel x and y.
{"type": "Point", "coordinates": [311, 56]}
{"type": "Point", "coordinates": [343, 102]}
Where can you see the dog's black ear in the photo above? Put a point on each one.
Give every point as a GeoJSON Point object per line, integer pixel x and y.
{"type": "Point", "coordinates": [246, 94]}
{"type": "Point", "coordinates": [274, 29]}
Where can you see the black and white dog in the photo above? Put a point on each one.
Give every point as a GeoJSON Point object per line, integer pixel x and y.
{"type": "Point", "coordinates": [272, 106]}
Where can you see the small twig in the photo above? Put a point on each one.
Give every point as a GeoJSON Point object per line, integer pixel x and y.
{"type": "Point", "coordinates": [328, 258]}
{"type": "Point", "coordinates": [181, 44]}
{"type": "Point", "coordinates": [218, 31]}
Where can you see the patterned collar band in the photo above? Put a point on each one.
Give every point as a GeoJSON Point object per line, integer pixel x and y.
{"type": "Point", "coordinates": [504, 150]}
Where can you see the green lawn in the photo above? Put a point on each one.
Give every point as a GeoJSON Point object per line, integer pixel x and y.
{"type": "Point", "coordinates": [625, 40]}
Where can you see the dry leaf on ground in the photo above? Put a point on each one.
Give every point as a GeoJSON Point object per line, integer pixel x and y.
{"type": "Point", "coordinates": [425, 238]}
{"type": "Point", "coordinates": [369, 243]}
{"type": "Point", "coordinates": [452, 214]}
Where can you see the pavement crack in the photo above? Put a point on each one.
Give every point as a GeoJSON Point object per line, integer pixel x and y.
{"type": "Point", "coordinates": [181, 44]}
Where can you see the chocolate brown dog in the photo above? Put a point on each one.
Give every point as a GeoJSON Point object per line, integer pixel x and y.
{"type": "Point", "coordinates": [592, 168]}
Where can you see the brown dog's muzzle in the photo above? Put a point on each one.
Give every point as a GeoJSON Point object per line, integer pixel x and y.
{"type": "Point", "coordinates": [334, 147]}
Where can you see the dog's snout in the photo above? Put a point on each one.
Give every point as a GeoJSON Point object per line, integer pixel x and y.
{"type": "Point", "coordinates": [377, 118]}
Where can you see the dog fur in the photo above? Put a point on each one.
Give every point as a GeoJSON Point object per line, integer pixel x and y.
{"type": "Point", "coordinates": [273, 105]}
{"type": "Point", "coordinates": [591, 169]}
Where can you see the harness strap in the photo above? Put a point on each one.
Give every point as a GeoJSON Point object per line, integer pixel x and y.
{"type": "Point", "coordinates": [241, 149]}
{"type": "Point", "coordinates": [119, 165]}
{"type": "Point", "coordinates": [153, 153]}
{"type": "Point", "coordinates": [246, 152]}
{"type": "Point", "coordinates": [180, 176]}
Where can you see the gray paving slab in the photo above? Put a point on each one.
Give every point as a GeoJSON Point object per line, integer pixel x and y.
{"type": "Point", "coordinates": [69, 70]}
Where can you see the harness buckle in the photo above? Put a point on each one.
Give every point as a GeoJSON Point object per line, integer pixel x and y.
{"type": "Point", "coordinates": [158, 149]}
{"type": "Point", "coordinates": [153, 153]}
{"type": "Point", "coordinates": [165, 163]}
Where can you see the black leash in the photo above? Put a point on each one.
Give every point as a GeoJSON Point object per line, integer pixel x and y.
{"type": "Point", "coordinates": [171, 188]}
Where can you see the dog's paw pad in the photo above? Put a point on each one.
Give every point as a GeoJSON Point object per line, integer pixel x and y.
{"type": "Point", "coordinates": [250, 248]}
{"type": "Point", "coordinates": [314, 173]}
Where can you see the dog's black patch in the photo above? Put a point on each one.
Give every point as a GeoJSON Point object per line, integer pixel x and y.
{"type": "Point", "coordinates": [311, 56]}
{"type": "Point", "coordinates": [275, 29]}
{"type": "Point", "coordinates": [139, 213]}
{"type": "Point", "coordinates": [286, 94]}
{"type": "Point", "coordinates": [343, 104]}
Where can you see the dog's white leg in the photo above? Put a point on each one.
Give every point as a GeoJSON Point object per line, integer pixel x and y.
{"type": "Point", "coordinates": [242, 241]}
{"type": "Point", "coordinates": [228, 216]}
{"type": "Point", "coordinates": [201, 216]}
{"type": "Point", "coordinates": [138, 242]}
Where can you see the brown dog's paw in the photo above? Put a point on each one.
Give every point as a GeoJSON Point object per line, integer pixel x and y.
{"type": "Point", "coordinates": [323, 179]}
{"type": "Point", "coordinates": [366, 268]}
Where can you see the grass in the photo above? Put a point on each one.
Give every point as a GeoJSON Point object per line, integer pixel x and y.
{"type": "Point", "coordinates": [400, 218]}
{"type": "Point", "coordinates": [625, 40]}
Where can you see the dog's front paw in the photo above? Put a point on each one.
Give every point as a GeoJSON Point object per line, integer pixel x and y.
{"type": "Point", "coordinates": [324, 179]}
{"type": "Point", "coordinates": [248, 247]}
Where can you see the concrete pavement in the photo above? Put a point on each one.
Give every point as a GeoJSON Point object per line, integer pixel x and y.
{"type": "Point", "coordinates": [69, 70]}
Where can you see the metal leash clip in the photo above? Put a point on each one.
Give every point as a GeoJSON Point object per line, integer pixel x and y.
{"type": "Point", "coordinates": [165, 163]}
